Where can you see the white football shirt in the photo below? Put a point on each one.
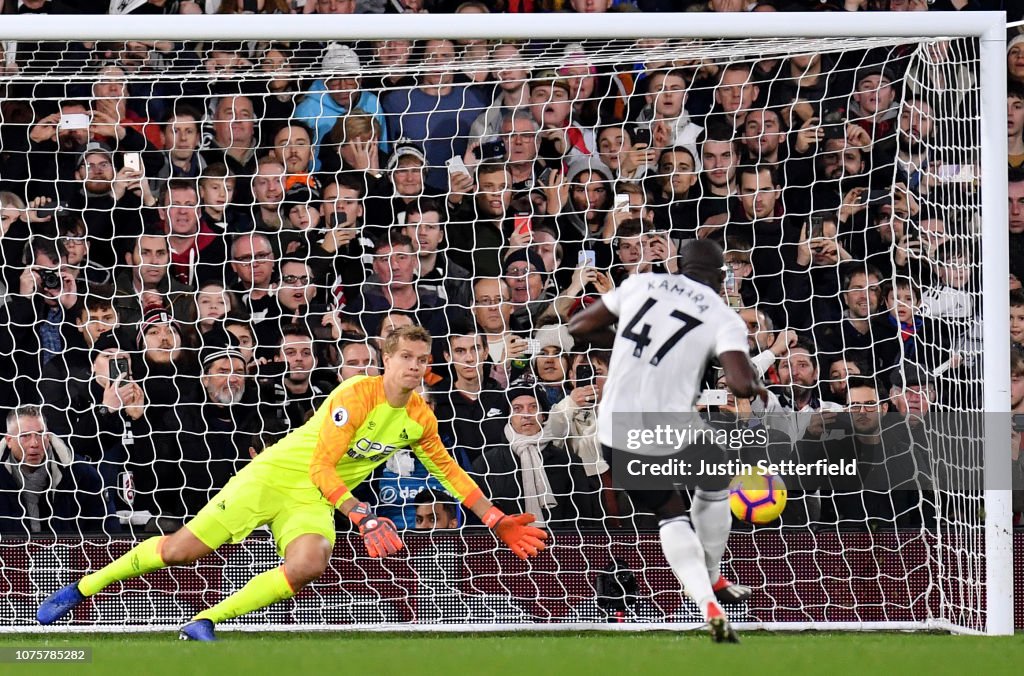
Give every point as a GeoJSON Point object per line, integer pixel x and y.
{"type": "Point", "coordinates": [669, 327]}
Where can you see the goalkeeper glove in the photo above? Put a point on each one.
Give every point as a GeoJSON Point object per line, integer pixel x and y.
{"type": "Point", "coordinates": [515, 531]}
{"type": "Point", "coordinates": [379, 533]}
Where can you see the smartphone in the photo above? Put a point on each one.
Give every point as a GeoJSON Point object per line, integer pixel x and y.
{"type": "Point", "coordinates": [817, 227]}
{"type": "Point", "coordinates": [490, 151]}
{"type": "Point", "coordinates": [457, 166]}
{"type": "Point", "coordinates": [730, 280]}
{"type": "Point", "coordinates": [544, 177]}
{"type": "Point", "coordinates": [118, 369]}
{"type": "Point", "coordinates": [523, 224]}
{"type": "Point", "coordinates": [622, 203]}
{"type": "Point", "coordinates": [48, 208]}
{"type": "Point", "coordinates": [73, 121]}
{"type": "Point", "coordinates": [271, 369]}
{"type": "Point", "coordinates": [713, 398]}
{"type": "Point", "coordinates": [532, 347]}
{"type": "Point", "coordinates": [584, 375]}
{"type": "Point", "coordinates": [642, 136]}
{"type": "Point", "coordinates": [133, 161]}
{"type": "Point", "coordinates": [587, 259]}
{"type": "Point", "coordinates": [874, 196]}
{"type": "Point", "coordinates": [1018, 422]}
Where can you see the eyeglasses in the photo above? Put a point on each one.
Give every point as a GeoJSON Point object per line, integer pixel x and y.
{"type": "Point", "coordinates": [864, 406]}
{"type": "Point", "coordinates": [257, 257]}
{"type": "Point", "coordinates": [295, 280]}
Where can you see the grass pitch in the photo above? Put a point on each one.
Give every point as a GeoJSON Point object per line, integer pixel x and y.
{"type": "Point", "coordinates": [529, 654]}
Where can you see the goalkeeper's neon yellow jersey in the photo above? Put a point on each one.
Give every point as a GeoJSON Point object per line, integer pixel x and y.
{"type": "Point", "coordinates": [352, 433]}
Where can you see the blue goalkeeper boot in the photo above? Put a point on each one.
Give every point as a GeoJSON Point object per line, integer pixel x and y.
{"type": "Point", "coordinates": [59, 603]}
{"type": "Point", "coordinates": [197, 630]}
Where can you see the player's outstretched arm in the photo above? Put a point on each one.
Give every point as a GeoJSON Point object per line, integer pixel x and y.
{"type": "Point", "coordinates": [378, 532]}
{"type": "Point", "coordinates": [513, 529]}
{"type": "Point", "coordinates": [593, 325]}
{"type": "Point", "coordinates": [740, 376]}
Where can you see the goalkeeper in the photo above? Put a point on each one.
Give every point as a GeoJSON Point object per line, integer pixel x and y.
{"type": "Point", "coordinates": [296, 484]}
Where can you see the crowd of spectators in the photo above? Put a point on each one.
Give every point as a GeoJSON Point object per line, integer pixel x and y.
{"type": "Point", "coordinates": [192, 263]}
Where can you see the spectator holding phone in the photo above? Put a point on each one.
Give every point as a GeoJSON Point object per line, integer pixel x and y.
{"type": "Point", "coordinates": [341, 251]}
{"type": "Point", "coordinates": [56, 142]}
{"type": "Point", "coordinates": [623, 151]}
{"type": "Point", "coordinates": [480, 229]}
{"type": "Point", "coordinates": [813, 281]}
{"type": "Point", "coordinates": [67, 395]}
{"type": "Point", "coordinates": [110, 201]}
{"type": "Point", "coordinates": [666, 99]}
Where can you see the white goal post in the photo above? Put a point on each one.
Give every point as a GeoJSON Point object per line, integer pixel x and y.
{"type": "Point", "coordinates": [996, 605]}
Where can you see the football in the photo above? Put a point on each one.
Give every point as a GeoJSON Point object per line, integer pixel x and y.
{"type": "Point", "coordinates": [757, 498]}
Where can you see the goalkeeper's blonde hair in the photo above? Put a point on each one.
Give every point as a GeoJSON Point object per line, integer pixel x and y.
{"type": "Point", "coordinates": [414, 333]}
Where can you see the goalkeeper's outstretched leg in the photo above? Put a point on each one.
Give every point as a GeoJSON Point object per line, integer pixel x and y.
{"type": "Point", "coordinates": [181, 548]}
{"type": "Point", "coordinates": [306, 558]}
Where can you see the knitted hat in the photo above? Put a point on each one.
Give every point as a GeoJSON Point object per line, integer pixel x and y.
{"type": "Point", "coordinates": [154, 315]}
{"type": "Point", "coordinates": [217, 344]}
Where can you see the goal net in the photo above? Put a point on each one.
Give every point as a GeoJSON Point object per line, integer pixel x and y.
{"type": "Point", "coordinates": [203, 234]}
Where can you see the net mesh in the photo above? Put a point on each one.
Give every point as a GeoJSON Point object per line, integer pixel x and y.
{"type": "Point", "coordinates": [308, 198]}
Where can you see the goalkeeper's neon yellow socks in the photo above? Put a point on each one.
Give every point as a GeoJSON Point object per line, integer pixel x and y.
{"type": "Point", "coordinates": [141, 559]}
{"type": "Point", "coordinates": [266, 588]}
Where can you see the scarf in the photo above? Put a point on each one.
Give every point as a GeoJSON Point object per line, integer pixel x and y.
{"type": "Point", "coordinates": [36, 481]}
{"type": "Point", "coordinates": [907, 332]}
{"type": "Point", "coordinates": [534, 479]}
{"type": "Point", "coordinates": [575, 137]}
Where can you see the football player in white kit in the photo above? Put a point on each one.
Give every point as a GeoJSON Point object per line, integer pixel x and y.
{"type": "Point", "coordinates": [669, 328]}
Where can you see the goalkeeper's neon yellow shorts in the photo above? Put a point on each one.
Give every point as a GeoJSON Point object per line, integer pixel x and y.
{"type": "Point", "coordinates": [247, 502]}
